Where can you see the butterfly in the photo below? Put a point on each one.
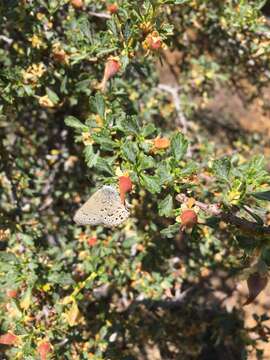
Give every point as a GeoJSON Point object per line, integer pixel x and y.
{"type": "Point", "coordinates": [104, 207]}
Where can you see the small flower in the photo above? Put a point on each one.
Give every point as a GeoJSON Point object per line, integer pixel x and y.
{"type": "Point", "coordinates": [153, 41]}
{"type": "Point", "coordinates": [36, 42]}
{"type": "Point", "coordinates": [146, 27]}
{"type": "Point", "coordinates": [112, 8]}
{"type": "Point", "coordinates": [59, 54]}
{"type": "Point", "coordinates": [112, 67]}
{"type": "Point", "coordinates": [87, 139]}
{"type": "Point", "coordinates": [161, 143]}
{"type": "Point", "coordinates": [4, 234]}
{"type": "Point", "coordinates": [44, 101]}
{"type": "Point", "coordinates": [92, 241]}
{"type": "Point", "coordinates": [40, 16]}
{"type": "Point", "coordinates": [33, 73]}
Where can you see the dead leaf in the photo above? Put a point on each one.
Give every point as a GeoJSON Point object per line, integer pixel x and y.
{"type": "Point", "coordinates": [256, 283]}
{"type": "Point", "coordinates": [72, 315]}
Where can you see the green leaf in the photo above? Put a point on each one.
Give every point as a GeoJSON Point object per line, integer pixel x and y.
{"type": "Point", "coordinates": [90, 157]}
{"type": "Point", "coordinates": [100, 105]}
{"type": "Point", "coordinates": [8, 258]}
{"type": "Point", "coordinates": [52, 95]}
{"type": "Point", "coordinates": [180, 2]}
{"type": "Point", "coordinates": [179, 146]}
{"type": "Point", "coordinates": [146, 162]}
{"type": "Point", "coordinates": [264, 195]}
{"type": "Point", "coordinates": [190, 168]}
{"type": "Point", "coordinates": [261, 4]}
{"type": "Point", "coordinates": [104, 141]}
{"type": "Point", "coordinates": [105, 165]}
{"type": "Point", "coordinates": [170, 231]}
{"type": "Point", "coordinates": [130, 125]}
{"type": "Point", "coordinates": [127, 29]}
{"type": "Point", "coordinates": [222, 168]}
{"type": "Point", "coordinates": [111, 24]}
{"type": "Point", "coordinates": [164, 172]}
{"type": "Point", "coordinates": [151, 183]}
{"type": "Point", "coordinates": [75, 123]}
{"type": "Point", "coordinates": [83, 86]}
{"type": "Point", "coordinates": [165, 206]}
{"type": "Point", "coordinates": [148, 130]}
{"type": "Point", "coordinates": [130, 150]}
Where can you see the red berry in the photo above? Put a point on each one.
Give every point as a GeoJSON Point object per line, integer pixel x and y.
{"type": "Point", "coordinates": [77, 3]}
{"type": "Point", "coordinates": [188, 218]}
{"type": "Point", "coordinates": [8, 339]}
{"type": "Point", "coordinates": [125, 185]}
{"type": "Point", "coordinates": [153, 41]}
{"type": "Point", "coordinates": [112, 8]}
{"type": "Point", "coordinates": [92, 241]}
{"type": "Point", "coordinates": [43, 349]}
{"type": "Point", "coordinates": [11, 293]}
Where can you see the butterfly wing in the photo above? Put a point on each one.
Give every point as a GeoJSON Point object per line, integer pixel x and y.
{"type": "Point", "coordinates": [89, 213]}
{"type": "Point", "coordinates": [104, 207]}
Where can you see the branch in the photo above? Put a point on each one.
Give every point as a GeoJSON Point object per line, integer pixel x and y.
{"type": "Point", "coordinates": [229, 218]}
{"type": "Point", "coordinates": [100, 15]}
{"type": "Point", "coordinates": [170, 304]}
{"type": "Point", "coordinates": [7, 168]}
{"type": "Point", "coordinates": [174, 92]}
{"type": "Point", "coordinates": [6, 39]}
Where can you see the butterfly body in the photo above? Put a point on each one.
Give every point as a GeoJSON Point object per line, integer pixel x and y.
{"type": "Point", "coordinates": [104, 207]}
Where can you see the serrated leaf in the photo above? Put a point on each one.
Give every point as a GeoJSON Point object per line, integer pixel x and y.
{"type": "Point", "coordinates": [165, 206]}
{"type": "Point", "coordinates": [8, 258]}
{"type": "Point", "coordinates": [75, 123]}
{"type": "Point", "coordinates": [170, 231]}
{"type": "Point", "coordinates": [127, 29]}
{"type": "Point", "coordinates": [104, 141]}
{"type": "Point", "coordinates": [130, 150]}
{"type": "Point", "coordinates": [148, 130]}
{"type": "Point", "coordinates": [52, 95]}
{"type": "Point", "coordinates": [104, 165]}
{"type": "Point", "coordinates": [130, 125]}
{"type": "Point", "coordinates": [100, 105]}
{"type": "Point", "coordinates": [222, 168]}
{"type": "Point", "coordinates": [164, 172]}
{"type": "Point", "coordinates": [179, 146]}
{"type": "Point", "coordinates": [180, 2]}
{"type": "Point", "coordinates": [146, 162]}
{"type": "Point", "coordinates": [264, 195]}
{"type": "Point", "coordinates": [111, 24]}
{"type": "Point", "coordinates": [151, 183]}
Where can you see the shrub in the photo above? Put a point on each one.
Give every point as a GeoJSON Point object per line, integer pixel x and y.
{"type": "Point", "coordinates": [82, 107]}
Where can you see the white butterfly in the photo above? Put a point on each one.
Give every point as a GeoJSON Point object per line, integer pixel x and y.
{"type": "Point", "coordinates": [104, 207]}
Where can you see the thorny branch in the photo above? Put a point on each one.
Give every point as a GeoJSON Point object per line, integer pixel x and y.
{"type": "Point", "coordinates": [100, 15]}
{"type": "Point", "coordinates": [228, 217]}
{"type": "Point", "coordinates": [6, 39]}
{"type": "Point", "coordinates": [174, 92]}
{"type": "Point", "coordinates": [6, 164]}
